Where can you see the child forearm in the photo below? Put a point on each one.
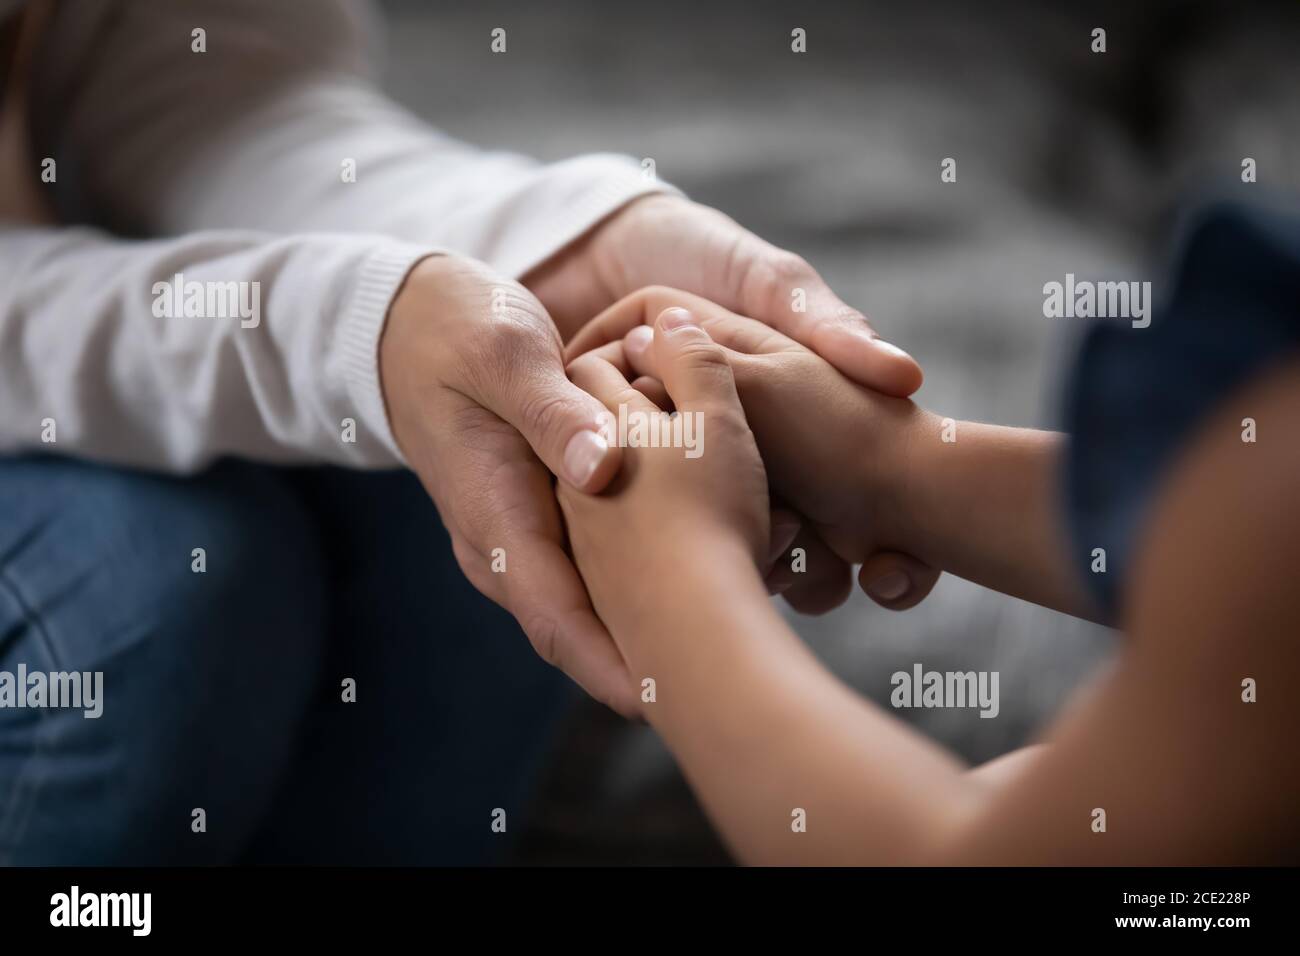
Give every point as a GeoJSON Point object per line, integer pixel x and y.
{"type": "Point", "coordinates": [790, 764]}
{"type": "Point", "coordinates": [981, 502]}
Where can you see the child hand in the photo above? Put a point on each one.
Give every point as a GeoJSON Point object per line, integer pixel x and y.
{"type": "Point", "coordinates": [700, 495]}
{"type": "Point", "coordinates": [834, 451]}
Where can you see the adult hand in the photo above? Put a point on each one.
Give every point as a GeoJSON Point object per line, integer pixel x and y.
{"type": "Point", "coordinates": [669, 241]}
{"type": "Point", "coordinates": [480, 405]}
{"type": "Point", "coordinates": [665, 240]}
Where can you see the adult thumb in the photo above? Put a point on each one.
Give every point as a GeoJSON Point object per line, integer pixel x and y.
{"type": "Point", "coordinates": [568, 429]}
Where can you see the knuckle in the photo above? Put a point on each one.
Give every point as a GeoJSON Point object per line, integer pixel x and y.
{"type": "Point", "coordinates": [514, 316]}
{"type": "Point", "coordinates": [771, 278]}
{"type": "Point", "coordinates": [509, 347]}
{"type": "Point", "coordinates": [790, 267]}
{"type": "Point", "coordinates": [703, 353]}
{"type": "Point", "coordinates": [512, 333]}
{"type": "Point", "coordinates": [546, 412]}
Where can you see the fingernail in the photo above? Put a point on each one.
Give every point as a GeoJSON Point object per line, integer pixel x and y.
{"type": "Point", "coordinates": [890, 348]}
{"type": "Point", "coordinates": [891, 587]}
{"type": "Point", "coordinates": [672, 319]}
{"type": "Point", "coordinates": [861, 332]}
{"type": "Point", "coordinates": [583, 455]}
{"type": "Point", "coordinates": [639, 339]}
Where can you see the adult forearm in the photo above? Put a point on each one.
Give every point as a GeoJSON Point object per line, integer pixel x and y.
{"type": "Point", "coordinates": [278, 125]}
{"type": "Point", "coordinates": [172, 353]}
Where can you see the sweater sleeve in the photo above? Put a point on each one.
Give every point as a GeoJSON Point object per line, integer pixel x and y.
{"type": "Point", "coordinates": [277, 125]}
{"type": "Point", "coordinates": [168, 354]}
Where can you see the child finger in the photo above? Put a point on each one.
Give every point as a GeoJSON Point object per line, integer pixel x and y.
{"type": "Point", "coordinates": [692, 366]}
{"type": "Point", "coordinates": [654, 390]}
{"type": "Point", "coordinates": [896, 581]}
{"type": "Point", "coordinates": [601, 378]}
{"type": "Point", "coordinates": [822, 579]}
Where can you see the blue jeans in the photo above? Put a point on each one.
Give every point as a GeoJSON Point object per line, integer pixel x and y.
{"type": "Point", "coordinates": [223, 690]}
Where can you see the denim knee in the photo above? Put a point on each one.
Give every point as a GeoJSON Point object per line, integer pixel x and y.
{"type": "Point", "coordinates": [201, 602]}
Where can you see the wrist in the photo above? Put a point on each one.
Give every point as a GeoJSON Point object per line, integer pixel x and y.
{"type": "Point", "coordinates": [366, 337]}
{"type": "Point", "coordinates": [896, 472]}
{"type": "Point", "coordinates": [693, 564]}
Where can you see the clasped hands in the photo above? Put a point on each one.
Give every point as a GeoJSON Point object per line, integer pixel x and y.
{"type": "Point", "coordinates": [488, 404]}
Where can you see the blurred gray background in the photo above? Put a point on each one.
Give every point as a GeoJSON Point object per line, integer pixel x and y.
{"type": "Point", "coordinates": [1067, 161]}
